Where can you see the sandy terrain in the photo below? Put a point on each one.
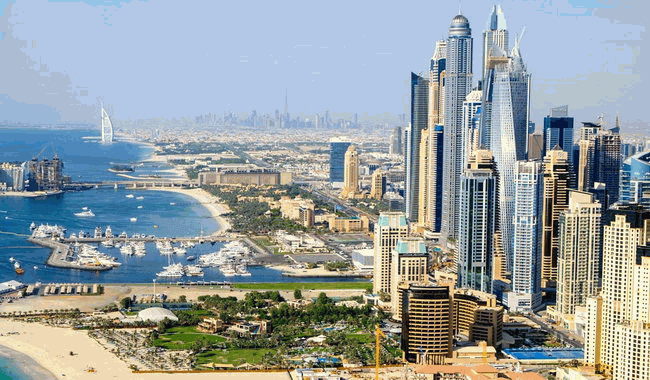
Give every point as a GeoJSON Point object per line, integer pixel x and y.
{"type": "Point", "coordinates": [50, 347]}
{"type": "Point", "coordinates": [86, 303]}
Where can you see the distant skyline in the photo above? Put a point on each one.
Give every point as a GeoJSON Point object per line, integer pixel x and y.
{"type": "Point", "coordinates": [175, 59]}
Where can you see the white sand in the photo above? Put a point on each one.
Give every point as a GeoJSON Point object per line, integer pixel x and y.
{"type": "Point", "coordinates": [208, 200]}
{"type": "Point", "coordinates": [50, 347]}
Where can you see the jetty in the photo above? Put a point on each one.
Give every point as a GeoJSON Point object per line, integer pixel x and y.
{"type": "Point", "coordinates": [61, 255]}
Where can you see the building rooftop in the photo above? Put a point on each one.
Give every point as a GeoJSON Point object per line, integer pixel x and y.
{"type": "Point", "coordinates": [156, 314]}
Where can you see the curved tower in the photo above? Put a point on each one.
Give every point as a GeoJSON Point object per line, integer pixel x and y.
{"type": "Point", "coordinates": [107, 127]}
{"type": "Point", "coordinates": [458, 84]}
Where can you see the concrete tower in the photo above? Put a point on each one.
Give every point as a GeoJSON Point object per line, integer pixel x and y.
{"type": "Point", "coordinates": [351, 173]}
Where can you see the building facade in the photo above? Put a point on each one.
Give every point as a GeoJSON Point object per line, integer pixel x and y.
{"type": "Point", "coordinates": [419, 121]}
{"type": "Point", "coordinates": [431, 176]}
{"type": "Point", "coordinates": [351, 173]}
{"type": "Point", "coordinates": [410, 264]}
{"type": "Point", "coordinates": [338, 147]}
{"type": "Point", "coordinates": [635, 180]}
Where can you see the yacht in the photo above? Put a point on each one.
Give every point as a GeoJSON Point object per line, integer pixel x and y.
{"type": "Point", "coordinates": [242, 271]}
{"type": "Point", "coordinates": [11, 259]}
{"type": "Point", "coordinates": [133, 220]}
{"type": "Point", "coordinates": [115, 186]}
{"type": "Point", "coordinates": [172, 203]}
{"type": "Point", "coordinates": [130, 196]}
{"type": "Point", "coordinates": [108, 243]}
{"type": "Point", "coordinates": [140, 206]}
{"type": "Point", "coordinates": [35, 267]}
{"type": "Point", "coordinates": [193, 271]}
{"type": "Point", "coordinates": [126, 249]}
{"type": "Point", "coordinates": [98, 233]}
{"type": "Point", "coordinates": [32, 227]}
{"type": "Point", "coordinates": [190, 258]}
{"type": "Point", "coordinates": [18, 269]}
{"type": "Point", "coordinates": [180, 251]}
{"type": "Point", "coordinates": [109, 232]}
{"type": "Point", "coordinates": [139, 198]}
{"type": "Point", "coordinates": [85, 214]}
{"type": "Point", "coordinates": [123, 235]}
{"type": "Point", "coordinates": [84, 208]}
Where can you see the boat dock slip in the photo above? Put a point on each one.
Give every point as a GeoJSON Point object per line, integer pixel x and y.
{"type": "Point", "coordinates": [203, 239]}
{"type": "Point", "coordinates": [61, 255]}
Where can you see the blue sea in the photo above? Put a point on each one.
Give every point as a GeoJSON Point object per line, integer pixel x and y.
{"type": "Point", "coordinates": [162, 214]}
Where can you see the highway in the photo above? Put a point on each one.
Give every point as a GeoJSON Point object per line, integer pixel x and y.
{"type": "Point", "coordinates": [345, 208]}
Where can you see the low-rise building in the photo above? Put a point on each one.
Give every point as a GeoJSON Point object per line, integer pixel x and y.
{"type": "Point", "coordinates": [250, 328]}
{"type": "Point", "coordinates": [363, 259]}
{"type": "Point", "coordinates": [340, 224]}
{"type": "Point", "coordinates": [479, 372]}
{"type": "Point", "coordinates": [211, 326]}
{"type": "Point", "coordinates": [298, 209]}
{"type": "Point", "coordinates": [251, 177]}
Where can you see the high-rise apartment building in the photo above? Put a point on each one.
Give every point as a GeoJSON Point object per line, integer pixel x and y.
{"type": "Point", "coordinates": [579, 252]}
{"type": "Point", "coordinates": [351, 173]}
{"type": "Point", "coordinates": [338, 147]}
{"type": "Point", "coordinates": [419, 121]}
{"type": "Point", "coordinates": [390, 227]}
{"type": "Point", "coordinates": [600, 159]}
{"type": "Point", "coordinates": [436, 84]}
{"type": "Point", "coordinates": [426, 323]}
{"type": "Point", "coordinates": [431, 175]}
{"type": "Point", "coordinates": [635, 180]}
{"type": "Point", "coordinates": [458, 83]}
{"type": "Point", "coordinates": [535, 146]}
{"type": "Point", "coordinates": [558, 131]}
{"type": "Point", "coordinates": [478, 218]}
{"type": "Point", "coordinates": [471, 124]}
{"type": "Point", "coordinates": [557, 182]}
{"type": "Point", "coordinates": [396, 141]}
{"type": "Point", "coordinates": [526, 274]}
{"type": "Point", "coordinates": [617, 339]}
{"type": "Point", "coordinates": [410, 264]}
{"type": "Point", "coordinates": [508, 87]}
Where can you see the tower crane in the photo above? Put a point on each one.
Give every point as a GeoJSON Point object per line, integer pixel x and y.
{"type": "Point", "coordinates": [378, 335]}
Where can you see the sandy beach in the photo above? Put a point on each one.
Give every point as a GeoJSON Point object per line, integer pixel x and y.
{"type": "Point", "coordinates": [209, 201]}
{"type": "Point", "coordinates": [50, 347]}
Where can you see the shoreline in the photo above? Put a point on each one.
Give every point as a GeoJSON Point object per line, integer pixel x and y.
{"type": "Point", "coordinates": [26, 364]}
{"type": "Point", "coordinates": [207, 200]}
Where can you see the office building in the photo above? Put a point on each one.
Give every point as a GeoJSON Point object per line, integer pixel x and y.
{"type": "Point", "coordinates": [426, 323]}
{"type": "Point", "coordinates": [558, 131]}
{"type": "Point", "coordinates": [617, 340]}
{"type": "Point", "coordinates": [635, 180]}
{"type": "Point", "coordinates": [600, 159]}
{"type": "Point", "coordinates": [419, 121]}
{"type": "Point", "coordinates": [410, 264]}
{"type": "Point", "coordinates": [495, 36]}
{"type": "Point", "coordinates": [351, 173]}
{"type": "Point", "coordinates": [579, 252]}
{"type": "Point", "coordinates": [509, 86]}
{"type": "Point", "coordinates": [526, 282]}
{"type": "Point", "coordinates": [458, 83]}
{"type": "Point", "coordinates": [478, 217]}
{"type": "Point", "coordinates": [378, 184]}
{"type": "Point", "coordinates": [396, 141]}
{"type": "Point", "coordinates": [338, 147]}
{"type": "Point", "coordinates": [557, 181]}
{"type": "Point", "coordinates": [471, 124]}
{"type": "Point", "coordinates": [390, 227]}
{"type": "Point", "coordinates": [431, 176]}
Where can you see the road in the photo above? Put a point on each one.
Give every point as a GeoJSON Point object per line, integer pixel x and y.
{"type": "Point", "coordinates": [347, 209]}
{"type": "Point", "coordinates": [561, 333]}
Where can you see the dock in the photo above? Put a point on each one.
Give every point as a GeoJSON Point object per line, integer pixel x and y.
{"type": "Point", "coordinates": [60, 255]}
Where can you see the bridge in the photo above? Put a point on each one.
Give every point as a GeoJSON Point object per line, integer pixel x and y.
{"type": "Point", "coordinates": [135, 184]}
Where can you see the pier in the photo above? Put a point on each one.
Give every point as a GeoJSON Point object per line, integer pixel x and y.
{"type": "Point", "coordinates": [60, 253]}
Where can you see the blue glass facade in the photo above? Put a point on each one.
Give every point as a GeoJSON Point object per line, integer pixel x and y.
{"type": "Point", "coordinates": [558, 131]}
{"type": "Point", "coordinates": [635, 180]}
{"type": "Point", "coordinates": [337, 160]}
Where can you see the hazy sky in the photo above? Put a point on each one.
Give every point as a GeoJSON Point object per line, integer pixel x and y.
{"type": "Point", "coordinates": [180, 58]}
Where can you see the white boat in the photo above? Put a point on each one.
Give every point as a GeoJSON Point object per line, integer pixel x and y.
{"type": "Point", "coordinates": [133, 220]}
{"type": "Point", "coordinates": [98, 233]}
{"type": "Point", "coordinates": [108, 243]}
{"type": "Point", "coordinates": [193, 271]}
{"type": "Point", "coordinates": [115, 187]}
{"type": "Point", "coordinates": [84, 214]}
{"type": "Point", "coordinates": [32, 226]}
{"type": "Point", "coordinates": [180, 251]}
{"type": "Point", "coordinates": [16, 265]}
{"type": "Point", "coordinates": [35, 267]}
{"type": "Point", "coordinates": [139, 198]}
{"type": "Point", "coordinates": [172, 203]}
{"type": "Point", "coordinates": [84, 208]}
{"type": "Point", "coordinates": [130, 196]}
{"type": "Point", "coordinates": [139, 206]}
{"type": "Point", "coordinates": [109, 232]}
{"type": "Point", "coordinates": [11, 259]}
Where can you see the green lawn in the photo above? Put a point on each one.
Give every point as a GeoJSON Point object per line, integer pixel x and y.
{"type": "Point", "coordinates": [361, 338]}
{"type": "Point", "coordinates": [181, 338]}
{"type": "Point", "coordinates": [233, 356]}
{"type": "Point", "coordinates": [303, 285]}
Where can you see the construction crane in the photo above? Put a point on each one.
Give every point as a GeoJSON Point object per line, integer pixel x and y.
{"type": "Point", "coordinates": [378, 335]}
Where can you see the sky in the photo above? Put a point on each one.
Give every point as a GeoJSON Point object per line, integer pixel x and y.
{"type": "Point", "coordinates": [184, 58]}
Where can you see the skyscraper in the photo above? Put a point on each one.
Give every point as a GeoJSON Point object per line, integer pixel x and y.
{"type": "Point", "coordinates": [509, 85]}
{"type": "Point", "coordinates": [338, 147]}
{"type": "Point", "coordinates": [351, 173]}
{"type": "Point", "coordinates": [617, 337]}
{"type": "Point", "coordinates": [410, 264]}
{"type": "Point", "coordinates": [558, 131]}
{"type": "Point", "coordinates": [609, 162]}
{"type": "Point", "coordinates": [378, 184]}
{"type": "Point", "coordinates": [579, 252]}
{"type": "Point", "coordinates": [471, 124]}
{"type": "Point", "coordinates": [478, 214]}
{"type": "Point", "coordinates": [419, 121]}
{"type": "Point", "coordinates": [557, 180]}
{"type": "Point", "coordinates": [526, 293]}
{"type": "Point", "coordinates": [495, 34]}
{"type": "Point", "coordinates": [430, 192]}
{"type": "Point", "coordinates": [635, 180]}
{"type": "Point", "coordinates": [390, 227]}
{"type": "Point", "coordinates": [396, 141]}
{"type": "Point", "coordinates": [436, 84]}
{"type": "Point", "coordinates": [458, 83]}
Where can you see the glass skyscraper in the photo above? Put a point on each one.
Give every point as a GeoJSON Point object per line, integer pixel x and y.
{"type": "Point", "coordinates": [635, 180]}
{"type": "Point", "coordinates": [419, 121]}
{"type": "Point", "coordinates": [338, 147]}
{"type": "Point", "coordinates": [558, 131]}
{"type": "Point", "coordinates": [458, 83]}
